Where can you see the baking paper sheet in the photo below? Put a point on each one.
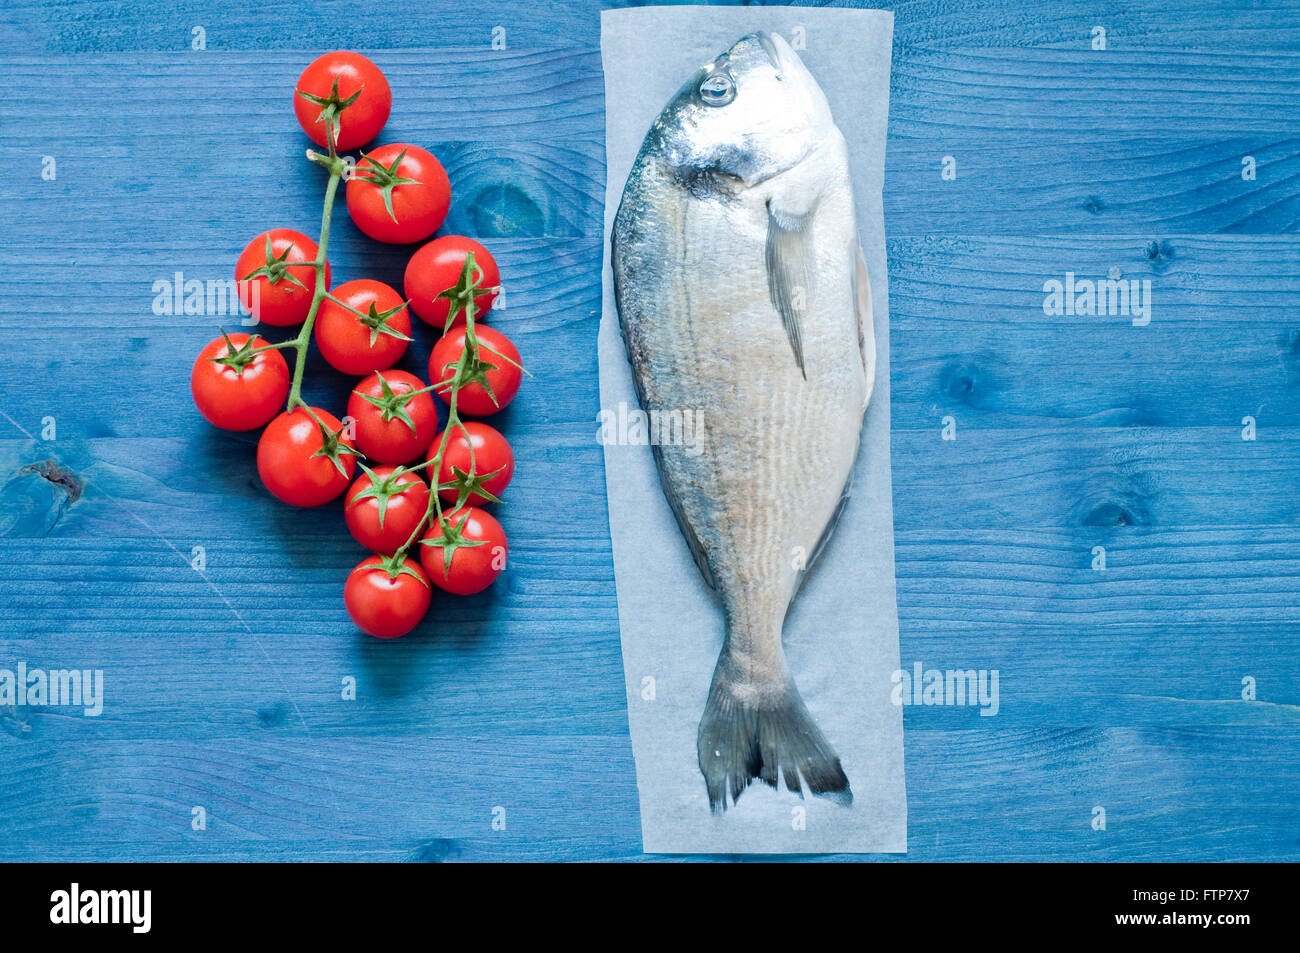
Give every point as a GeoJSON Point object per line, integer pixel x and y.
{"type": "Point", "coordinates": [841, 635]}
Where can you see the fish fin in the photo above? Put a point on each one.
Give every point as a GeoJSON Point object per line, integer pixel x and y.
{"type": "Point", "coordinates": [827, 532]}
{"type": "Point", "coordinates": [866, 323]}
{"type": "Point", "coordinates": [769, 47]}
{"type": "Point", "coordinates": [757, 736]}
{"type": "Point", "coordinates": [787, 273]}
{"type": "Point", "coordinates": [692, 541]}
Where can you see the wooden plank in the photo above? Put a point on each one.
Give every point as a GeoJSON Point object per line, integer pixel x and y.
{"type": "Point", "coordinates": [1168, 794]}
{"type": "Point", "coordinates": [1117, 92]}
{"type": "Point", "coordinates": [987, 578]}
{"type": "Point", "coordinates": [973, 340]}
{"type": "Point", "coordinates": [1072, 182]}
{"type": "Point", "coordinates": [554, 188]}
{"type": "Point", "coordinates": [1163, 635]}
{"type": "Point", "coordinates": [934, 94]}
{"type": "Point", "coordinates": [1093, 478]}
{"type": "Point", "coordinates": [536, 188]}
{"type": "Point", "coordinates": [83, 26]}
{"type": "Point", "coordinates": [1089, 479]}
{"type": "Point", "coordinates": [552, 91]}
{"type": "Point", "coordinates": [970, 336]}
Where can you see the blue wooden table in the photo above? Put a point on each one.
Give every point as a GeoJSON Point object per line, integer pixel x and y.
{"type": "Point", "coordinates": [1121, 688]}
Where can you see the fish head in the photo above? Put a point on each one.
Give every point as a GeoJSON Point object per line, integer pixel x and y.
{"type": "Point", "coordinates": [751, 113]}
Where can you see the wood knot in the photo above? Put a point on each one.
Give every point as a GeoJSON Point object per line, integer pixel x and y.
{"type": "Point", "coordinates": [1160, 253]}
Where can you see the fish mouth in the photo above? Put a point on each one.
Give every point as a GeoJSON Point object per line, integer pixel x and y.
{"type": "Point", "coordinates": [712, 179]}
{"type": "Point", "coordinates": [706, 182]}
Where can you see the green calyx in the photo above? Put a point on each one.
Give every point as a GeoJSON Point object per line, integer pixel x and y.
{"type": "Point", "coordinates": [397, 565]}
{"type": "Point", "coordinates": [377, 322]}
{"type": "Point", "coordinates": [330, 108]}
{"type": "Point", "coordinates": [460, 296]}
{"type": "Point", "coordinates": [333, 447]}
{"type": "Point", "coordinates": [472, 371]}
{"type": "Point", "coordinates": [468, 484]}
{"type": "Point", "coordinates": [237, 358]}
{"type": "Point", "coordinates": [382, 489]}
{"type": "Point", "coordinates": [392, 406]}
{"type": "Point", "coordinates": [385, 177]}
{"type": "Point", "coordinates": [451, 538]}
{"type": "Point", "coordinates": [276, 268]}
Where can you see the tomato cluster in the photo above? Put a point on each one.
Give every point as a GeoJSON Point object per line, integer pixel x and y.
{"type": "Point", "coordinates": [423, 530]}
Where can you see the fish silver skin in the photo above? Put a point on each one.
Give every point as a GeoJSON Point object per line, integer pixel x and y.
{"type": "Point", "coordinates": [742, 294]}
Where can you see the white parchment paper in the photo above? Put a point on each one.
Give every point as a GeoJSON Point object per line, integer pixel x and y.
{"type": "Point", "coordinates": [841, 635]}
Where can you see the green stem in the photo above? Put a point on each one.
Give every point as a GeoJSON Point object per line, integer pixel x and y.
{"type": "Point", "coordinates": [274, 347]}
{"type": "Point", "coordinates": [320, 292]}
{"type": "Point", "coordinates": [434, 463]}
{"type": "Point", "coordinates": [433, 512]}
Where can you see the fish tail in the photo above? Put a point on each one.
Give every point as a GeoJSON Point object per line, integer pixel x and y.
{"type": "Point", "coordinates": [747, 735]}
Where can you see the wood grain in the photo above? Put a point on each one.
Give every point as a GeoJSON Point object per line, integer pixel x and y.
{"type": "Point", "coordinates": [1168, 794]}
{"type": "Point", "coordinates": [1119, 688]}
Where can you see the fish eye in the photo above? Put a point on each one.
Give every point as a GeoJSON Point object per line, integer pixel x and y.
{"type": "Point", "coordinates": [718, 89]}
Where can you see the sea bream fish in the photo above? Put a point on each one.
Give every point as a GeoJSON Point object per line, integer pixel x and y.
{"type": "Point", "coordinates": [743, 296]}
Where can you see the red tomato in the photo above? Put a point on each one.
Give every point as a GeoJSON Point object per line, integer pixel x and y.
{"type": "Point", "coordinates": [324, 100]}
{"type": "Point", "coordinates": [438, 268]}
{"type": "Point", "coordinates": [392, 427]}
{"type": "Point", "coordinates": [271, 287]}
{"type": "Point", "coordinates": [299, 464]}
{"type": "Point", "coordinates": [498, 367]}
{"type": "Point", "coordinates": [492, 467]}
{"type": "Point", "coordinates": [387, 600]}
{"type": "Point", "coordinates": [236, 389]}
{"type": "Point", "coordinates": [477, 547]}
{"type": "Point", "coordinates": [399, 194]}
{"type": "Point", "coordinates": [363, 343]}
{"type": "Point", "coordinates": [384, 507]}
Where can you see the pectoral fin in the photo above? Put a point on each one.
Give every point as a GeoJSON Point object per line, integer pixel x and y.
{"type": "Point", "coordinates": [866, 323]}
{"type": "Point", "coordinates": [688, 533]}
{"type": "Point", "coordinates": [787, 273]}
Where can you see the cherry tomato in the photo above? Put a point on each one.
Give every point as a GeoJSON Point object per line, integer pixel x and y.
{"type": "Point", "coordinates": [392, 427]}
{"type": "Point", "coordinates": [399, 194]}
{"type": "Point", "coordinates": [498, 361]}
{"type": "Point", "coordinates": [386, 600]}
{"type": "Point", "coordinates": [363, 343]}
{"type": "Point", "coordinates": [236, 389]}
{"type": "Point", "coordinates": [271, 287]}
{"type": "Point", "coordinates": [492, 467]}
{"type": "Point", "coordinates": [384, 507]}
{"type": "Point", "coordinates": [439, 267]}
{"type": "Point", "coordinates": [321, 100]}
{"type": "Point", "coordinates": [298, 464]}
{"type": "Point", "coordinates": [473, 566]}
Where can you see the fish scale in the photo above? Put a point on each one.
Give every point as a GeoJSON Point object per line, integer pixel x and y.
{"type": "Point", "coordinates": [742, 295]}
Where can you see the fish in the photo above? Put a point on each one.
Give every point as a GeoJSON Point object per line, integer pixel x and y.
{"type": "Point", "coordinates": [743, 296]}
